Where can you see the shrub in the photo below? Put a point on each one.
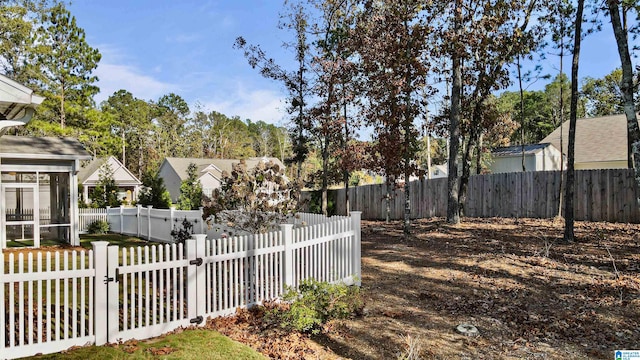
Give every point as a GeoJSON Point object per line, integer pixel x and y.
{"type": "Point", "coordinates": [98, 227]}
{"type": "Point", "coordinates": [315, 303]}
{"type": "Point", "coordinates": [180, 235]}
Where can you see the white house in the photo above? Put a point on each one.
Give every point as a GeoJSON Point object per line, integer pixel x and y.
{"type": "Point", "coordinates": [537, 157]}
{"type": "Point", "coordinates": [127, 183]}
{"type": "Point", "coordinates": [174, 170]}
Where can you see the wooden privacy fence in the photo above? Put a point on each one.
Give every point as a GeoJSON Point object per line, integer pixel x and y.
{"type": "Point", "coordinates": [600, 195]}
{"type": "Point", "coordinates": [54, 301]}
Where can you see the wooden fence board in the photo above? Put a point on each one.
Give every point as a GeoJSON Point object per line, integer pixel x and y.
{"type": "Point", "coordinates": [600, 195]}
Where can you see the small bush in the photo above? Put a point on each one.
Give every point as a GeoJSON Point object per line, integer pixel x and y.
{"type": "Point", "coordinates": [98, 227]}
{"type": "Point", "coordinates": [315, 303]}
{"type": "Point", "coordinates": [184, 233]}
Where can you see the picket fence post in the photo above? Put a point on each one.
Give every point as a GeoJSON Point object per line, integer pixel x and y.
{"type": "Point", "coordinates": [149, 222]}
{"type": "Point", "coordinates": [113, 293]}
{"type": "Point", "coordinates": [139, 207]}
{"type": "Point", "coordinates": [201, 220]}
{"type": "Point", "coordinates": [100, 301]}
{"type": "Point", "coordinates": [356, 250]}
{"type": "Point", "coordinates": [287, 237]}
{"type": "Point", "coordinates": [121, 219]}
{"type": "Point", "coordinates": [201, 293]}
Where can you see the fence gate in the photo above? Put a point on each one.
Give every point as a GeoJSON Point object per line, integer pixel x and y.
{"type": "Point", "coordinates": [152, 290]}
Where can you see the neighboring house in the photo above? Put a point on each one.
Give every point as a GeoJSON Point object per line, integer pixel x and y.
{"type": "Point", "coordinates": [439, 171]}
{"type": "Point", "coordinates": [89, 177]}
{"type": "Point", "coordinates": [38, 182]}
{"type": "Point", "coordinates": [537, 157]}
{"type": "Point", "coordinates": [174, 170]}
{"type": "Point", "coordinates": [601, 143]}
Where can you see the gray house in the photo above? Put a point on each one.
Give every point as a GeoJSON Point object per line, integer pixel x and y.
{"type": "Point", "coordinates": [174, 170]}
{"type": "Point", "coordinates": [537, 157]}
{"type": "Point", "coordinates": [38, 176]}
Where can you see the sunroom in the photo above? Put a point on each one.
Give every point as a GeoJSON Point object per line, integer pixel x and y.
{"type": "Point", "coordinates": [38, 177]}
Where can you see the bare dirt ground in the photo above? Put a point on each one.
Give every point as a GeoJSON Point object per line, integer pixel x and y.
{"type": "Point", "coordinates": [579, 301]}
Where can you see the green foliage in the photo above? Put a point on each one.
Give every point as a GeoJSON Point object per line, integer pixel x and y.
{"type": "Point", "coordinates": [154, 192]}
{"type": "Point", "coordinates": [67, 62]}
{"type": "Point", "coordinates": [98, 227]}
{"type": "Point", "coordinates": [182, 234]}
{"type": "Point", "coordinates": [315, 205]}
{"type": "Point", "coordinates": [190, 190]}
{"type": "Point", "coordinates": [314, 303]}
{"type": "Point", "coordinates": [106, 192]}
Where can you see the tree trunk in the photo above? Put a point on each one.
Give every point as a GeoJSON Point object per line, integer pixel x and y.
{"type": "Point", "coordinates": [568, 210]}
{"type": "Point", "coordinates": [633, 133]}
{"type": "Point", "coordinates": [453, 183]}
{"type": "Point", "coordinates": [466, 167]}
{"type": "Point", "coordinates": [522, 118]}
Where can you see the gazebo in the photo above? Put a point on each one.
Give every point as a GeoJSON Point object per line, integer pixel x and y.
{"type": "Point", "coordinates": [38, 176]}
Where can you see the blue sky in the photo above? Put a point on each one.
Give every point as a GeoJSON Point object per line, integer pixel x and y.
{"type": "Point", "coordinates": [152, 48]}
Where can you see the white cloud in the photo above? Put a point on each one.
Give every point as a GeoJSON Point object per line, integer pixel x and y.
{"type": "Point", "coordinates": [114, 77]}
{"type": "Point", "coordinates": [257, 104]}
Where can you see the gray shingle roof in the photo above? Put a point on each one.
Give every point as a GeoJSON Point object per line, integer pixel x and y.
{"type": "Point", "coordinates": [90, 168]}
{"type": "Point", "coordinates": [597, 139]}
{"type": "Point", "coordinates": [516, 150]}
{"type": "Point", "coordinates": [26, 147]}
{"type": "Point", "coordinates": [180, 165]}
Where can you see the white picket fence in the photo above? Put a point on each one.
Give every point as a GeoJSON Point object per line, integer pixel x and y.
{"type": "Point", "coordinates": [50, 302]}
{"type": "Point", "coordinates": [90, 215]}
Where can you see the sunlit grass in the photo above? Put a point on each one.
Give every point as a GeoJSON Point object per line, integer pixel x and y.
{"type": "Point", "coordinates": [189, 344]}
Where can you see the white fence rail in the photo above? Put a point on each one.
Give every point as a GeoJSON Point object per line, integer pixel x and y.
{"type": "Point", "coordinates": [109, 294]}
{"type": "Point", "coordinates": [90, 215]}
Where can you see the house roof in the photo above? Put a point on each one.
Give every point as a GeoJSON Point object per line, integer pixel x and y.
{"type": "Point", "coordinates": [597, 139]}
{"type": "Point", "coordinates": [516, 150]}
{"type": "Point", "coordinates": [180, 165]}
{"type": "Point", "coordinates": [15, 99]}
{"type": "Point", "coordinates": [25, 147]}
{"type": "Point", "coordinates": [94, 165]}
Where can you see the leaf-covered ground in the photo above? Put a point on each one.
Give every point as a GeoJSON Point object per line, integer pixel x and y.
{"type": "Point", "coordinates": [579, 301]}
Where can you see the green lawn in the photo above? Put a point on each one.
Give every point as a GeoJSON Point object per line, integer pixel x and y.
{"type": "Point", "coordinates": [85, 241]}
{"type": "Point", "coordinates": [189, 344]}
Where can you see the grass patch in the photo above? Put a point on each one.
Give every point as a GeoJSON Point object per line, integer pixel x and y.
{"type": "Point", "coordinates": [113, 239]}
{"type": "Point", "coordinates": [187, 344]}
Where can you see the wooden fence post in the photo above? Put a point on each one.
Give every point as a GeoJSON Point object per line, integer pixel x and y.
{"type": "Point", "coordinates": [356, 251]}
{"type": "Point", "coordinates": [287, 237]}
{"type": "Point", "coordinates": [100, 299]}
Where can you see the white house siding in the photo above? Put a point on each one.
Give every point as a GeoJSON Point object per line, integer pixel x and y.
{"type": "Point", "coordinates": [512, 164]}
{"type": "Point", "coordinates": [209, 182]}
